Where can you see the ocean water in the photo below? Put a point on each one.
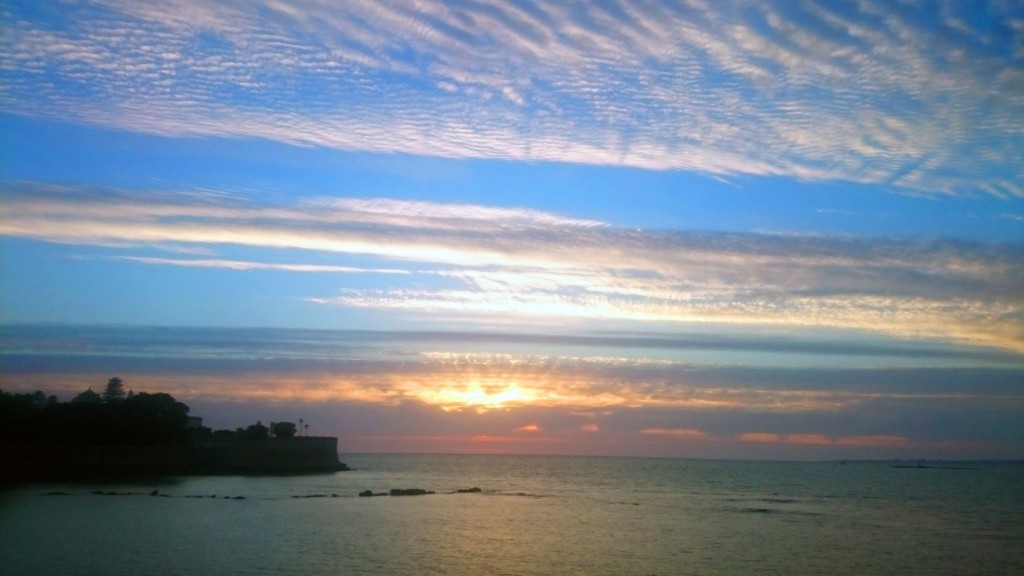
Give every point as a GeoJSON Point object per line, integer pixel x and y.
{"type": "Point", "coordinates": [534, 515]}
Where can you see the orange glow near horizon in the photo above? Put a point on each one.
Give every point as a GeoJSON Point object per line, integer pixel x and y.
{"type": "Point", "coordinates": [474, 412]}
{"type": "Point", "coordinates": [758, 437]}
{"type": "Point", "coordinates": [475, 386]}
{"type": "Point", "coordinates": [682, 433]}
{"type": "Point", "coordinates": [479, 397]}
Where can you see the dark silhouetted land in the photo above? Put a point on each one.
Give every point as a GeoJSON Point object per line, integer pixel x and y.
{"type": "Point", "coordinates": [118, 433]}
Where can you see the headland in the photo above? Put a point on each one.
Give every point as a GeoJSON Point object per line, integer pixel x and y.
{"type": "Point", "coordinates": [121, 435]}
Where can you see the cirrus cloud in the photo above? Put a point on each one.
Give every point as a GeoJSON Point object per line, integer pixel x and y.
{"type": "Point", "coordinates": [506, 261]}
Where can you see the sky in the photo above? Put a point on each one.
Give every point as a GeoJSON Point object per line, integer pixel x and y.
{"type": "Point", "coordinates": [729, 229]}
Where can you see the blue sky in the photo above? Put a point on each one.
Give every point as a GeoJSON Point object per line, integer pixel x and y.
{"type": "Point", "coordinates": [714, 229]}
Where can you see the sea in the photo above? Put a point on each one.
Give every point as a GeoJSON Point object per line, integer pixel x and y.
{"type": "Point", "coordinates": [531, 515]}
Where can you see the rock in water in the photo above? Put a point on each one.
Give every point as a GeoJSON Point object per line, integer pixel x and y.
{"type": "Point", "coordinates": [409, 492]}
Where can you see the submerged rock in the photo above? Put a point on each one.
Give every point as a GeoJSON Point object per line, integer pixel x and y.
{"type": "Point", "coordinates": [410, 492]}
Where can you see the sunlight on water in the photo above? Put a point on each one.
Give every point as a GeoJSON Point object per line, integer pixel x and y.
{"type": "Point", "coordinates": [533, 515]}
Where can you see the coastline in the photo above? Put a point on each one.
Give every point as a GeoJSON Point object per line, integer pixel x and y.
{"type": "Point", "coordinates": [272, 456]}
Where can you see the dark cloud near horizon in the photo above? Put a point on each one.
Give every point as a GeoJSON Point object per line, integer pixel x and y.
{"type": "Point", "coordinates": [234, 352]}
{"type": "Point", "coordinates": [724, 410]}
{"type": "Point", "coordinates": [285, 345]}
{"type": "Point", "coordinates": [931, 429]}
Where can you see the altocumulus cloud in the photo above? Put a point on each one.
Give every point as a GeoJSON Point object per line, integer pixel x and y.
{"type": "Point", "coordinates": [504, 261]}
{"type": "Point", "coordinates": [924, 96]}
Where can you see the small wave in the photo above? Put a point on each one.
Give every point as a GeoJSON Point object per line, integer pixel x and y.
{"type": "Point", "coordinates": [520, 494]}
{"type": "Point", "coordinates": [766, 500]}
{"type": "Point", "coordinates": [760, 510]}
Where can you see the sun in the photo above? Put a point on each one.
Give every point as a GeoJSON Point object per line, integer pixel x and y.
{"type": "Point", "coordinates": [482, 397]}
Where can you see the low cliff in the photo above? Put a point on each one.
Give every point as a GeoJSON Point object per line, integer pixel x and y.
{"type": "Point", "coordinates": [269, 456]}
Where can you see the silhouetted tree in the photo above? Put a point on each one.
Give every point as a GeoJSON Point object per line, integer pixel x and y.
{"type": "Point", "coordinates": [257, 431]}
{"type": "Point", "coordinates": [159, 405]}
{"type": "Point", "coordinates": [142, 419]}
{"type": "Point", "coordinates": [283, 429]}
{"type": "Point", "coordinates": [39, 398]}
{"type": "Point", "coordinates": [154, 418]}
{"type": "Point", "coordinates": [87, 397]}
{"type": "Point", "coordinates": [114, 392]}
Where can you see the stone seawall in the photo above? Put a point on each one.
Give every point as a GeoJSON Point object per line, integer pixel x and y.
{"type": "Point", "coordinates": [274, 455]}
{"type": "Point", "coordinates": [271, 456]}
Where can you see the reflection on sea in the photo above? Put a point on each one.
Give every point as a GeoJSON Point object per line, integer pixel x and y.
{"type": "Point", "coordinates": [533, 515]}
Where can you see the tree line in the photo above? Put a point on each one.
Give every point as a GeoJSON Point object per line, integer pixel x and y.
{"type": "Point", "coordinates": [113, 417]}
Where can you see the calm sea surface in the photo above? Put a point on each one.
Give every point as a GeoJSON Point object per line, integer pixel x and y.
{"type": "Point", "coordinates": [535, 515]}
